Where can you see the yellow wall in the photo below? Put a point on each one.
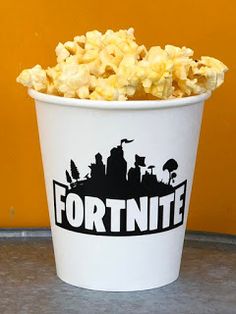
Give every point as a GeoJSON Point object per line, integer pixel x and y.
{"type": "Point", "coordinates": [29, 32]}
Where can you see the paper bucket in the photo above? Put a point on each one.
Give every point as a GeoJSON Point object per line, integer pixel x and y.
{"type": "Point", "coordinates": [118, 179]}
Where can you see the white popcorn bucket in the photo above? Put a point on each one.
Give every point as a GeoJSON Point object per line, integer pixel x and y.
{"type": "Point", "coordinates": [118, 179]}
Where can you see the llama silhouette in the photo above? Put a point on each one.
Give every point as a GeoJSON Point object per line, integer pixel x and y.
{"type": "Point", "coordinates": [114, 180]}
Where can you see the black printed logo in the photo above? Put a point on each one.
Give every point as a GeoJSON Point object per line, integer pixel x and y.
{"type": "Point", "coordinates": [112, 200]}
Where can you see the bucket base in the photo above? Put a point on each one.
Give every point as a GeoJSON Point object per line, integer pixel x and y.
{"type": "Point", "coordinates": [118, 289]}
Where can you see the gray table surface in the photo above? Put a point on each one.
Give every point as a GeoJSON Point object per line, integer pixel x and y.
{"type": "Point", "coordinates": [28, 284]}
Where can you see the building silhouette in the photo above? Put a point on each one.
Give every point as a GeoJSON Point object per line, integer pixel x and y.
{"type": "Point", "coordinates": [97, 169]}
{"type": "Point", "coordinates": [116, 166]}
{"type": "Point", "coordinates": [116, 181]}
{"type": "Point", "coordinates": [134, 174]}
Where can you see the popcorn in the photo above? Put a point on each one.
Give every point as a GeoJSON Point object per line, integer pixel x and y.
{"type": "Point", "coordinates": [112, 66]}
{"type": "Point", "coordinates": [35, 78]}
{"type": "Point", "coordinates": [108, 88]}
{"type": "Point", "coordinates": [61, 52]}
{"type": "Point", "coordinates": [71, 78]}
{"type": "Point", "coordinates": [157, 73]}
{"type": "Point", "coordinates": [212, 70]}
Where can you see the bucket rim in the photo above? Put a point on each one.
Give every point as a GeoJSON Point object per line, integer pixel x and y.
{"type": "Point", "coordinates": [118, 104]}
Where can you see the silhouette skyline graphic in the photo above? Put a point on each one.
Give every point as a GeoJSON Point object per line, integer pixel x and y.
{"type": "Point", "coordinates": [113, 179]}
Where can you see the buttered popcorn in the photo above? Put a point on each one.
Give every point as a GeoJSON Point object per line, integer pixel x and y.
{"type": "Point", "coordinates": [112, 66]}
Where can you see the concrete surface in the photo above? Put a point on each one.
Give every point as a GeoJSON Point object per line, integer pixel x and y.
{"type": "Point", "coordinates": [28, 284]}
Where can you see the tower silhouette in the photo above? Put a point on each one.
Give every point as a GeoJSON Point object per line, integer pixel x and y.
{"type": "Point", "coordinates": [116, 166]}
{"type": "Point", "coordinates": [97, 169]}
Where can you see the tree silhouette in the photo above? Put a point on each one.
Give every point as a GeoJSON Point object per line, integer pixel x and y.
{"type": "Point", "coordinates": [68, 177]}
{"type": "Point", "coordinates": [170, 166]}
{"type": "Point", "coordinates": [74, 170]}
